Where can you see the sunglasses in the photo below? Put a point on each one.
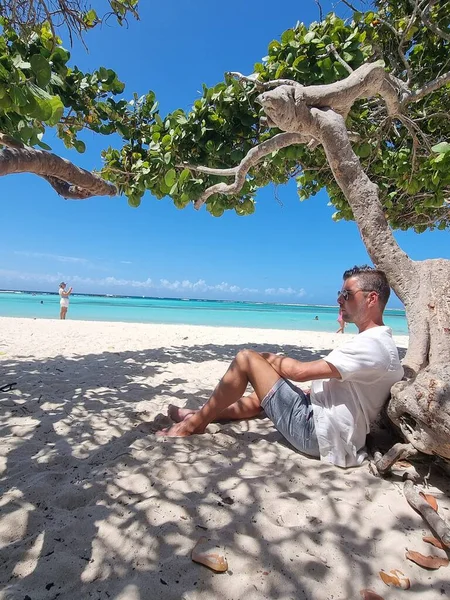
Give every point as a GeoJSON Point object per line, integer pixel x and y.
{"type": "Point", "coordinates": [347, 293]}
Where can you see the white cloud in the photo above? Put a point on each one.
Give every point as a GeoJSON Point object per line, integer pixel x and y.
{"type": "Point", "coordinates": [147, 284]}
{"type": "Point", "coordinates": [57, 257]}
{"type": "Point", "coordinates": [126, 262]}
{"type": "Point", "coordinates": [284, 292]}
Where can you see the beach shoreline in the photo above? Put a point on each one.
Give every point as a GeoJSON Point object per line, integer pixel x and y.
{"type": "Point", "coordinates": [95, 505]}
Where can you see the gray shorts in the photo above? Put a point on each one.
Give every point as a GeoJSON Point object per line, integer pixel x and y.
{"type": "Point", "coordinates": [291, 412]}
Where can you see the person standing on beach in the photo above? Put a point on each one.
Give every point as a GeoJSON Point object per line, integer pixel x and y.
{"type": "Point", "coordinates": [341, 322]}
{"type": "Point", "coordinates": [349, 386]}
{"type": "Point", "coordinates": [64, 302]}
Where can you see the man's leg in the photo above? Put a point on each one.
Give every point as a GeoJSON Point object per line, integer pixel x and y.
{"type": "Point", "coordinates": [245, 408]}
{"type": "Point", "coordinates": [247, 367]}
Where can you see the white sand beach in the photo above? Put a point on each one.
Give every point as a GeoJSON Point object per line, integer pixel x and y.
{"type": "Point", "coordinates": [94, 505]}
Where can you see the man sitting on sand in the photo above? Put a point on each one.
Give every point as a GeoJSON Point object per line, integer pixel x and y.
{"type": "Point", "coordinates": [349, 387]}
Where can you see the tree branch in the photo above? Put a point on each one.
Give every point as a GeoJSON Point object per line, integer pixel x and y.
{"type": "Point", "coordinates": [320, 10]}
{"type": "Point", "coordinates": [332, 48]}
{"type": "Point", "coordinates": [281, 140]}
{"type": "Point", "coordinates": [429, 515]}
{"type": "Point", "coordinates": [260, 85]}
{"type": "Point", "coordinates": [399, 48]}
{"type": "Point", "coordinates": [349, 5]}
{"type": "Point", "coordinates": [68, 180]}
{"type": "Point", "coordinates": [209, 170]}
{"type": "Point", "coordinates": [428, 88]}
{"type": "Point", "coordinates": [432, 26]}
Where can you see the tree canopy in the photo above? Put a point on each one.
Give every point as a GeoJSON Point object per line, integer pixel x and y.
{"type": "Point", "coordinates": [406, 155]}
{"type": "Point", "coordinates": [39, 89]}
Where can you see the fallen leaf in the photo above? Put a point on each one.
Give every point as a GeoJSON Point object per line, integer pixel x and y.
{"type": "Point", "coordinates": [431, 500]}
{"type": "Point", "coordinates": [370, 595]}
{"type": "Point", "coordinates": [428, 562]}
{"type": "Point", "coordinates": [205, 553]}
{"type": "Point", "coordinates": [392, 578]}
{"type": "Point", "coordinates": [405, 584]}
{"type": "Point", "coordinates": [434, 542]}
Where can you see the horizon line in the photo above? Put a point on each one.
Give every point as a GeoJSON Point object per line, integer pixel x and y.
{"type": "Point", "coordinates": [4, 291]}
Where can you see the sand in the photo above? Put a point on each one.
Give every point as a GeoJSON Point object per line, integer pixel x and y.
{"type": "Point", "coordinates": [94, 505]}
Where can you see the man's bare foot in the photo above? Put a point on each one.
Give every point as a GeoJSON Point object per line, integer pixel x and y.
{"type": "Point", "coordinates": [178, 414]}
{"type": "Point", "coordinates": [182, 429]}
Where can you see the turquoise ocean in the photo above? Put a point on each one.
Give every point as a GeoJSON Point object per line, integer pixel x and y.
{"type": "Point", "coordinates": [185, 311]}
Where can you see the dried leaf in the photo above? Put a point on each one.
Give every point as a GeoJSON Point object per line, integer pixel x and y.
{"type": "Point", "coordinates": [205, 553]}
{"type": "Point", "coordinates": [404, 581]}
{"type": "Point", "coordinates": [369, 595]}
{"type": "Point", "coordinates": [392, 578]}
{"type": "Point", "coordinates": [431, 500]}
{"type": "Point", "coordinates": [434, 542]}
{"type": "Point", "coordinates": [428, 562]}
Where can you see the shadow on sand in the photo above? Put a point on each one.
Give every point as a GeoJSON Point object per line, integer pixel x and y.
{"type": "Point", "coordinates": [96, 506]}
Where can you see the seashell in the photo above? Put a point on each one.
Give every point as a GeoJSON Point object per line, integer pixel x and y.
{"type": "Point", "coordinates": [206, 553]}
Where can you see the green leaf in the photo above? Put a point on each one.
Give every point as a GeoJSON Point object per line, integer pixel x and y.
{"type": "Point", "coordinates": [43, 145]}
{"type": "Point", "coordinates": [170, 177]}
{"type": "Point", "coordinates": [41, 69]}
{"type": "Point", "coordinates": [134, 201]}
{"type": "Point", "coordinates": [185, 174]}
{"type": "Point", "coordinates": [18, 96]}
{"type": "Point", "coordinates": [90, 18]}
{"type": "Point", "coordinates": [441, 148]}
{"type": "Point", "coordinates": [364, 150]}
{"type": "Point", "coordinates": [181, 120]}
{"type": "Point", "coordinates": [4, 74]}
{"type": "Point", "coordinates": [57, 111]}
{"type": "Point", "coordinates": [79, 146]}
{"type": "Point", "coordinates": [287, 36]}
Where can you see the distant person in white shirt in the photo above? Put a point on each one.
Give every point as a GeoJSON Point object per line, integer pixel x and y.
{"type": "Point", "coordinates": [64, 302]}
{"type": "Point", "coordinates": [349, 386]}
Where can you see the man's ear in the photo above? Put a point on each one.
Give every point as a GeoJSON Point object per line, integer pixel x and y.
{"type": "Point", "coordinates": [373, 298]}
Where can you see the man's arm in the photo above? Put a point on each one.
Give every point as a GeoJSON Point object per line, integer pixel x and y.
{"type": "Point", "coordinates": [296, 370]}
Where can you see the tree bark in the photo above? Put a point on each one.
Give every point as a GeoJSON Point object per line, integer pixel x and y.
{"type": "Point", "coordinates": [68, 180]}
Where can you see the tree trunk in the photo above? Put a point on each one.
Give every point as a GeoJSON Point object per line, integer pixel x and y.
{"type": "Point", "coordinates": [419, 405]}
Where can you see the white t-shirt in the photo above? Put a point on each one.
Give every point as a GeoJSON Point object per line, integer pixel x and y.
{"type": "Point", "coordinates": [344, 408]}
{"type": "Point", "coordinates": [64, 299]}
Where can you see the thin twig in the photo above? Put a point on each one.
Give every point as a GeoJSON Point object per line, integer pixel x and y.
{"type": "Point", "coordinates": [320, 10]}
{"type": "Point", "coordinates": [260, 84]}
{"type": "Point", "coordinates": [349, 5]}
{"type": "Point", "coordinates": [334, 52]}
{"type": "Point", "coordinates": [281, 140]}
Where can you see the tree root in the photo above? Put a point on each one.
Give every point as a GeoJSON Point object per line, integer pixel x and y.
{"type": "Point", "coordinates": [384, 462]}
{"type": "Point", "coordinates": [437, 524]}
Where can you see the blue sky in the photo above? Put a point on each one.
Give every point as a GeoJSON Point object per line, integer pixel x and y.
{"type": "Point", "coordinates": [288, 251]}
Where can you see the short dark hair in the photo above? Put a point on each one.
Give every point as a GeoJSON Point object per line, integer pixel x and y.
{"type": "Point", "coordinates": [371, 279]}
